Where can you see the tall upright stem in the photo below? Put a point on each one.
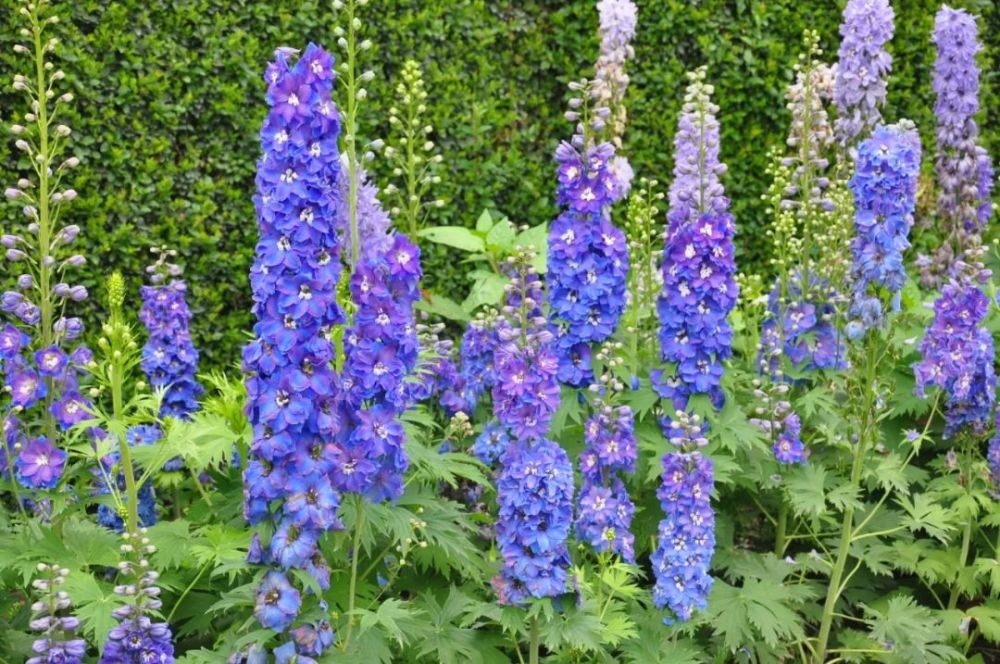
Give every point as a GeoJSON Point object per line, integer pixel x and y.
{"type": "Point", "coordinates": [131, 486]}
{"type": "Point", "coordinates": [351, 139]}
{"type": "Point", "coordinates": [533, 645]}
{"type": "Point", "coordinates": [868, 421]}
{"type": "Point", "coordinates": [962, 557]}
{"type": "Point", "coordinates": [359, 520]}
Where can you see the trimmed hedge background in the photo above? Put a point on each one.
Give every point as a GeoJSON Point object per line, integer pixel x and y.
{"type": "Point", "coordinates": [169, 102]}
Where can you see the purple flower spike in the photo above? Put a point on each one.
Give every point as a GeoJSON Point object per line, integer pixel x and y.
{"type": "Point", "coordinates": [864, 66]}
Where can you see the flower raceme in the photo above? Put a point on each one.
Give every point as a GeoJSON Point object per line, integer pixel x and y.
{"type": "Point", "coordinates": [699, 287]}
{"type": "Point", "coordinates": [687, 533]}
{"type": "Point", "coordinates": [293, 393]}
{"type": "Point", "coordinates": [169, 358]}
{"type": "Point", "coordinates": [862, 69]}
{"type": "Point", "coordinates": [535, 483]}
{"type": "Point", "coordinates": [885, 191]}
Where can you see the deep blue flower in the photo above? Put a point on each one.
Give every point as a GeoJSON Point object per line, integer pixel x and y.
{"type": "Point", "coordinates": [687, 533]}
{"type": "Point", "coordinates": [293, 393]}
{"type": "Point", "coordinates": [169, 358]}
{"type": "Point", "coordinates": [885, 191]}
{"type": "Point", "coordinates": [277, 602]}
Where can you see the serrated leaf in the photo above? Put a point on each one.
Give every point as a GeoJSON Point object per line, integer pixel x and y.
{"type": "Point", "coordinates": [805, 489]}
{"type": "Point", "coordinates": [987, 617]}
{"type": "Point", "coordinates": [172, 540]}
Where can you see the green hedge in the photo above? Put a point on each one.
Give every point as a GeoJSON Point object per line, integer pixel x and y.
{"type": "Point", "coordinates": [170, 101]}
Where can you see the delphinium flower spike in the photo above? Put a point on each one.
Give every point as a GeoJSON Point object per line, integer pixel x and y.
{"type": "Point", "coordinates": [885, 192]}
{"type": "Point", "coordinates": [55, 644]}
{"type": "Point", "coordinates": [862, 69]}
{"type": "Point", "coordinates": [292, 389]}
{"type": "Point", "coordinates": [963, 168]}
{"type": "Point", "coordinates": [686, 539]}
{"type": "Point", "coordinates": [587, 258]}
{"type": "Point", "coordinates": [604, 509]}
{"type": "Point", "coordinates": [957, 350]}
{"type": "Point", "coordinates": [411, 152]}
{"type": "Point", "coordinates": [617, 23]}
{"type": "Point", "coordinates": [381, 350]}
{"type": "Point", "coordinates": [699, 286]}
{"type": "Point", "coordinates": [993, 460]}
{"type": "Point", "coordinates": [136, 639]}
{"type": "Point", "coordinates": [40, 368]}
{"type": "Point", "coordinates": [535, 485]}
{"type": "Point", "coordinates": [476, 374]}
{"type": "Point", "coordinates": [169, 358]}
{"type": "Point", "coordinates": [699, 291]}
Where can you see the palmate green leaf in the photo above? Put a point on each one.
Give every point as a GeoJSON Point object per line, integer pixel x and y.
{"type": "Point", "coordinates": [93, 604]}
{"type": "Point", "coordinates": [396, 618]}
{"type": "Point", "coordinates": [987, 617]}
{"type": "Point", "coordinates": [218, 545]}
{"type": "Point", "coordinates": [757, 611]}
{"type": "Point", "coordinates": [916, 633]}
{"type": "Point", "coordinates": [733, 429]}
{"type": "Point", "coordinates": [446, 641]}
{"type": "Point", "coordinates": [989, 569]}
{"type": "Point", "coordinates": [818, 400]}
{"type": "Point", "coordinates": [204, 442]}
{"type": "Point", "coordinates": [923, 513]}
{"type": "Point", "coordinates": [172, 540]}
{"type": "Point", "coordinates": [500, 239]}
{"type": "Point", "coordinates": [445, 307]}
{"type": "Point", "coordinates": [487, 289]}
{"type": "Point", "coordinates": [805, 489]}
{"type": "Point", "coordinates": [430, 466]}
{"type": "Point", "coordinates": [576, 627]}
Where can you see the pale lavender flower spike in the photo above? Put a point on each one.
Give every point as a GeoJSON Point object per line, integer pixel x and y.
{"type": "Point", "coordinates": [864, 66]}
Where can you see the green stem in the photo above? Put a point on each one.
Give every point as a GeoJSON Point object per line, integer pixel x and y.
{"type": "Point", "coordinates": [187, 590]}
{"type": "Point", "coordinates": [533, 646]}
{"type": "Point", "coordinates": [780, 535]}
{"type": "Point", "coordinates": [359, 519]}
{"type": "Point", "coordinates": [131, 487]}
{"type": "Point", "coordinates": [835, 587]}
{"type": "Point", "coordinates": [962, 557]}
{"type": "Point", "coordinates": [352, 134]}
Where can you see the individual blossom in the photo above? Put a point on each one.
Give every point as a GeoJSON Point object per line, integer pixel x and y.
{"type": "Point", "coordinates": [136, 639]}
{"type": "Point", "coordinates": [39, 464]}
{"type": "Point", "coordinates": [686, 538]}
{"type": "Point", "coordinates": [535, 483]}
{"type": "Point", "coordinates": [957, 356]}
{"type": "Point", "coordinates": [699, 286]}
{"type": "Point", "coordinates": [55, 644]}
{"type": "Point", "coordinates": [885, 190]}
{"type": "Point", "coordinates": [293, 393]}
{"type": "Point", "coordinates": [277, 603]}
{"type": "Point", "coordinates": [863, 68]}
